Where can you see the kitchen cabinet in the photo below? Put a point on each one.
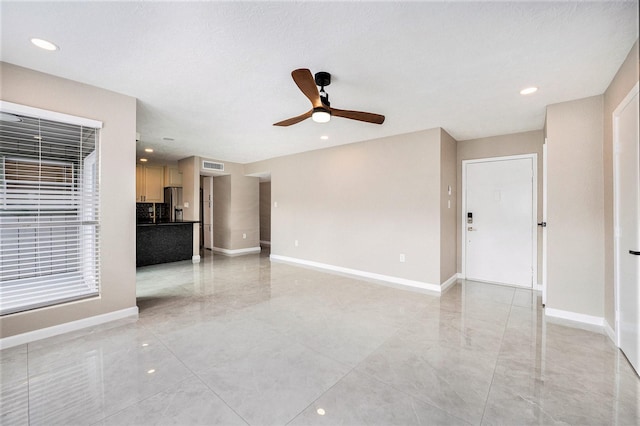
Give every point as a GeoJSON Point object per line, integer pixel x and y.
{"type": "Point", "coordinates": [149, 184]}
{"type": "Point", "coordinates": [172, 177]}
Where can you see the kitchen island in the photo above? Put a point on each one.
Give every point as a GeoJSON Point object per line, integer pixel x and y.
{"type": "Point", "coordinates": [163, 242]}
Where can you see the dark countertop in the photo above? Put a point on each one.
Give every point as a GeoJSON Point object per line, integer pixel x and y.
{"type": "Point", "coordinates": [166, 222]}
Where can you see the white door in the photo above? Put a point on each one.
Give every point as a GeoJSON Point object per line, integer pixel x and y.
{"type": "Point", "coordinates": [627, 232]}
{"type": "Point", "coordinates": [499, 224]}
{"type": "Point", "coordinates": [207, 220]}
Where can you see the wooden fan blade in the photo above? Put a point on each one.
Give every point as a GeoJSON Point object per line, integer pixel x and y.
{"type": "Point", "coordinates": [307, 85]}
{"type": "Point", "coordinates": [294, 120]}
{"type": "Point", "coordinates": [368, 117]}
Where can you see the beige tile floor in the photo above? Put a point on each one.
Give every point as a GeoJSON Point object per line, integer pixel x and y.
{"type": "Point", "coordinates": [246, 341]}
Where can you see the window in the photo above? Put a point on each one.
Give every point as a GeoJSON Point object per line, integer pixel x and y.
{"type": "Point", "coordinates": [49, 211]}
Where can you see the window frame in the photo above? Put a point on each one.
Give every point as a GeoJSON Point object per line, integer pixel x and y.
{"type": "Point", "coordinates": [85, 218]}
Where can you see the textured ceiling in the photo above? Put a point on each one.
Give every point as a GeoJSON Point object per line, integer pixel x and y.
{"type": "Point", "coordinates": [215, 76]}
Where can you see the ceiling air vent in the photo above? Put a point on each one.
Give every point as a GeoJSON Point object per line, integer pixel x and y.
{"type": "Point", "coordinates": [210, 165]}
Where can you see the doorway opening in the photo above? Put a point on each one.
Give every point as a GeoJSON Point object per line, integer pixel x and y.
{"type": "Point", "coordinates": [206, 212]}
{"type": "Point", "coordinates": [265, 214]}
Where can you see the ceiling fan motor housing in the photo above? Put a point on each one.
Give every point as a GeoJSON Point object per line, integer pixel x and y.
{"type": "Point", "coordinates": [323, 79]}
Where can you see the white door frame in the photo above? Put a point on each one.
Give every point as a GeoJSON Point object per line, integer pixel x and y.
{"type": "Point", "coordinates": [544, 221]}
{"type": "Point", "coordinates": [534, 231]}
{"type": "Point", "coordinates": [616, 225]}
{"type": "Point", "coordinates": [207, 200]}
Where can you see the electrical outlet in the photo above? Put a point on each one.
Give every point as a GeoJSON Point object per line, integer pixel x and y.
{"type": "Point", "coordinates": [244, 236]}
{"type": "Point", "coordinates": [295, 243]}
{"type": "Point", "coordinates": [275, 204]}
{"type": "Point", "coordinates": [402, 258]}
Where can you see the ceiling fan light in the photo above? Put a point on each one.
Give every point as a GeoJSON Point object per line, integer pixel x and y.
{"type": "Point", "coordinates": [320, 115]}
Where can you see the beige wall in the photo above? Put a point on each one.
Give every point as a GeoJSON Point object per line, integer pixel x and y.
{"type": "Point", "coordinates": [117, 188]}
{"type": "Point", "coordinates": [244, 219]}
{"type": "Point", "coordinates": [575, 210]}
{"type": "Point", "coordinates": [448, 203]}
{"type": "Point", "coordinates": [500, 146]}
{"type": "Point", "coordinates": [361, 205]}
{"type": "Point", "coordinates": [622, 83]}
{"type": "Point", "coordinates": [265, 211]}
{"type": "Point", "coordinates": [221, 203]}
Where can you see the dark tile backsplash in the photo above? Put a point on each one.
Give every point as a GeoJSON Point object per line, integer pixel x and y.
{"type": "Point", "coordinates": [162, 211]}
{"type": "Point", "coordinates": [145, 212]}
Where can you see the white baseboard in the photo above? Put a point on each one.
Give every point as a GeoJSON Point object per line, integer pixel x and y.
{"type": "Point", "coordinates": [43, 333]}
{"type": "Point", "coordinates": [608, 330]}
{"type": "Point", "coordinates": [460, 276]}
{"type": "Point", "coordinates": [195, 258]}
{"type": "Point", "coordinates": [574, 319]}
{"type": "Point", "coordinates": [448, 283]}
{"type": "Point", "coordinates": [265, 243]}
{"type": "Point", "coordinates": [432, 288]}
{"type": "Point", "coordinates": [237, 252]}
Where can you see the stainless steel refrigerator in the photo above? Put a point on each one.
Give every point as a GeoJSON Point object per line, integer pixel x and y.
{"type": "Point", "coordinates": [173, 200]}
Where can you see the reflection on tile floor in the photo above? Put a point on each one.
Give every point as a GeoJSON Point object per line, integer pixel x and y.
{"type": "Point", "coordinates": [246, 341]}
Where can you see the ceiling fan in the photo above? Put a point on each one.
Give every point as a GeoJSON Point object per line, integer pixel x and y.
{"type": "Point", "coordinates": [321, 110]}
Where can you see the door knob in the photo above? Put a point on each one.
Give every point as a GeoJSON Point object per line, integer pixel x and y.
{"type": "Point", "coordinates": [543, 224]}
{"type": "Point", "coordinates": [637, 253]}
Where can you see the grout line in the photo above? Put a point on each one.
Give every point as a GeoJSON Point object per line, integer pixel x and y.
{"type": "Point", "coordinates": [319, 396]}
{"type": "Point", "coordinates": [197, 376]}
{"type": "Point", "coordinates": [413, 397]}
{"type": "Point", "coordinates": [504, 332]}
{"type": "Point", "coordinates": [395, 334]}
{"type": "Point", "coordinates": [351, 370]}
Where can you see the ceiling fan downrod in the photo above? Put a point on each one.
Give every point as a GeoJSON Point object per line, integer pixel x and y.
{"type": "Point", "coordinates": [323, 79]}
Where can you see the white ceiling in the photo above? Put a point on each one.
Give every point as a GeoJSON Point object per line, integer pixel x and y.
{"type": "Point", "coordinates": [215, 76]}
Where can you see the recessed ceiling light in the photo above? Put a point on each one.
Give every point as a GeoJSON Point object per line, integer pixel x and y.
{"type": "Point", "coordinates": [320, 411]}
{"type": "Point", "coordinates": [324, 138]}
{"type": "Point", "coordinates": [528, 90]}
{"type": "Point", "coordinates": [148, 150]}
{"type": "Point", "coordinates": [143, 160]}
{"type": "Point", "coordinates": [44, 44]}
{"type": "Point", "coordinates": [168, 139]}
{"type": "Point", "coordinates": [153, 370]}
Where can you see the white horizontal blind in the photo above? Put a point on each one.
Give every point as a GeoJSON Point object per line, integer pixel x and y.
{"type": "Point", "coordinates": [49, 212]}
